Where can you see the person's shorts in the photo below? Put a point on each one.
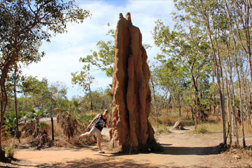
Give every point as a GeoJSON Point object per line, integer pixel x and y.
{"type": "Point", "coordinates": [95, 131]}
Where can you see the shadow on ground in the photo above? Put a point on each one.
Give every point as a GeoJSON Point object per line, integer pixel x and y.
{"type": "Point", "coordinates": [168, 149]}
{"type": "Point", "coordinates": [93, 163]}
{"type": "Point", "coordinates": [171, 150]}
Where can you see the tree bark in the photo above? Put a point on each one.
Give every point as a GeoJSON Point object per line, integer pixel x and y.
{"type": "Point", "coordinates": [52, 128]}
{"type": "Point", "coordinates": [205, 14]}
{"type": "Point", "coordinates": [154, 97]}
{"type": "Point", "coordinates": [235, 128]}
{"type": "Point", "coordinates": [90, 96]}
{"type": "Point", "coordinates": [16, 109]}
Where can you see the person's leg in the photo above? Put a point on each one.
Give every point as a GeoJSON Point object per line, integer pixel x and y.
{"type": "Point", "coordinates": [85, 134]}
{"type": "Point", "coordinates": [91, 132]}
{"type": "Point", "coordinates": [98, 133]}
{"type": "Point", "coordinates": [99, 144]}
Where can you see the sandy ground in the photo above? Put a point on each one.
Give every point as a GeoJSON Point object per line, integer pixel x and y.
{"type": "Point", "coordinates": [181, 149]}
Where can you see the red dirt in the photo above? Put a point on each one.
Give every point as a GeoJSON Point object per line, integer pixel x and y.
{"type": "Point", "coordinates": [181, 149]}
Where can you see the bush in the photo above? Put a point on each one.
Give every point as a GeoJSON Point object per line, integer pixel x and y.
{"type": "Point", "coordinates": [10, 150]}
{"type": "Point", "coordinates": [85, 119]}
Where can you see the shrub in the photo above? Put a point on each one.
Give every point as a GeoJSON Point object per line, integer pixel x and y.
{"type": "Point", "coordinates": [10, 150]}
{"type": "Point", "coordinates": [86, 118]}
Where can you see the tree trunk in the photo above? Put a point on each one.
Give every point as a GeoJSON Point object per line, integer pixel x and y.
{"type": "Point", "coordinates": [52, 128]}
{"type": "Point", "coordinates": [228, 112]}
{"type": "Point", "coordinates": [216, 66]}
{"type": "Point", "coordinates": [154, 97]}
{"type": "Point", "coordinates": [214, 99]}
{"type": "Point", "coordinates": [240, 96]}
{"type": "Point", "coordinates": [15, 96]}
{"type": "Point", "coordinates": [235, 128]}
{"type": "Point", "coordinates": [195, 119]}
{"type": "Point", "coordinates": [197, 99]}
{"type": "Point", "coordinates": [179, 105]}
{"type": "Point", "coordinates": [4, 94]}
{"type": "Point", "coordinates": [242, 101]}
{"type": "Point", "coordinates": [90, 96]}
{"type": "Point", "coordinates": [131, 91]}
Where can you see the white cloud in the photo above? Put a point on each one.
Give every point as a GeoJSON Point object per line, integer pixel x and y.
{"type": "Point", "coordinates": [64, 51]}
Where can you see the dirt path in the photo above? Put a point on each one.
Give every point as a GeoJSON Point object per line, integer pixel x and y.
{"type": "Point", "coordinates": [180, 150]}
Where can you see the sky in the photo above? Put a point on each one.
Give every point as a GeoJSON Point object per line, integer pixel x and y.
{"type": "Point", "coordinates": [64, 50]}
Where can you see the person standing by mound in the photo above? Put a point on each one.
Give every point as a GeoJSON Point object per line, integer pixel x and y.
{"type": "Point", "coordinates": [101, 121]}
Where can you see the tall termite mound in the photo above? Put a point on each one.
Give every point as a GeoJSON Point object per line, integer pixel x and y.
{"type": "Point", "coordinates": [131, 91]}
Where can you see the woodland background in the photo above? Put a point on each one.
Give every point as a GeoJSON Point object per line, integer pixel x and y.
{"type": "Point", "coordinates": [203, 73]}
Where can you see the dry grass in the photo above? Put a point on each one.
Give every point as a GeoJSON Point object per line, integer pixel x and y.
{"type": "Point", "coordinates": [60, 140]}
{"type": "Point", "coordinates": [169, 119]}
{"type": "Point", "coordinates": [162, 130]}
{"type": "Point", "coordinates": [201, 129]}
{"type": "Point", "coordinates": [10, 149]}
{"type": "Point", "coordinates": [63, 141]}
{"type": "Point", "coordinates": [57, 129]}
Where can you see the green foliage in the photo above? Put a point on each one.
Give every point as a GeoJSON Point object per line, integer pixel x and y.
{"type": "Point", "coordinates": [85, 119]}
{"type": "Point", "coordinates": [59, 93]}
{"type": "Point", "coordinates": [83, 78]}
{"type": "Point", "coordinates": [43, 125]}
{"type": "Point", "coordinates": [24, 25]}
{"type": "Point", "coordinates": [104, 58]}
{"type": "Point", "coordinates": [186, 55]}
{"type": "Point", "coordinates": [9, 123]}
{"type": "Point", "coordinates": [38, 90]}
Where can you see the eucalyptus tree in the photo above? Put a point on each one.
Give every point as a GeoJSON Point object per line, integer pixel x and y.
{"type": "Point", "coordinates": [242, 31]}
{"type": "Point", "coordinates": [84, 79]}
{"type": "Point", "coordinates": [13, 80]}
{"type": "Point", "coordinates": [186, 43]}
{"type": "Point", "coordinates": [59, 93]}
{"type": "Point", "coordinates": [24, 25]}
{"type": "Point", "coordinates": [39, 91]}
{"type": "Point", "coordinates": [171, 77]}
{"type": "Point", "coordinates": [203, 13]}
{"type": "Point", "coordinates": [228, 27]}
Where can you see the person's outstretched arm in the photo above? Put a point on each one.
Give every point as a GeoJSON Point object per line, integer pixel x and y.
{"type": "Point", "coordinates": [114, 126]}
{"type": "Point", "coordinates": [90, 125]}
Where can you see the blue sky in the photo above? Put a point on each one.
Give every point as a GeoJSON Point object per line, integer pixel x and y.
{"type": "Point", "coordinates": [64, 50]}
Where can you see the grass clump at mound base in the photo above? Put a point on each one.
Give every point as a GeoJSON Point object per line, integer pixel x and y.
{"type": "Point", "coordinates": [153, 147]}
